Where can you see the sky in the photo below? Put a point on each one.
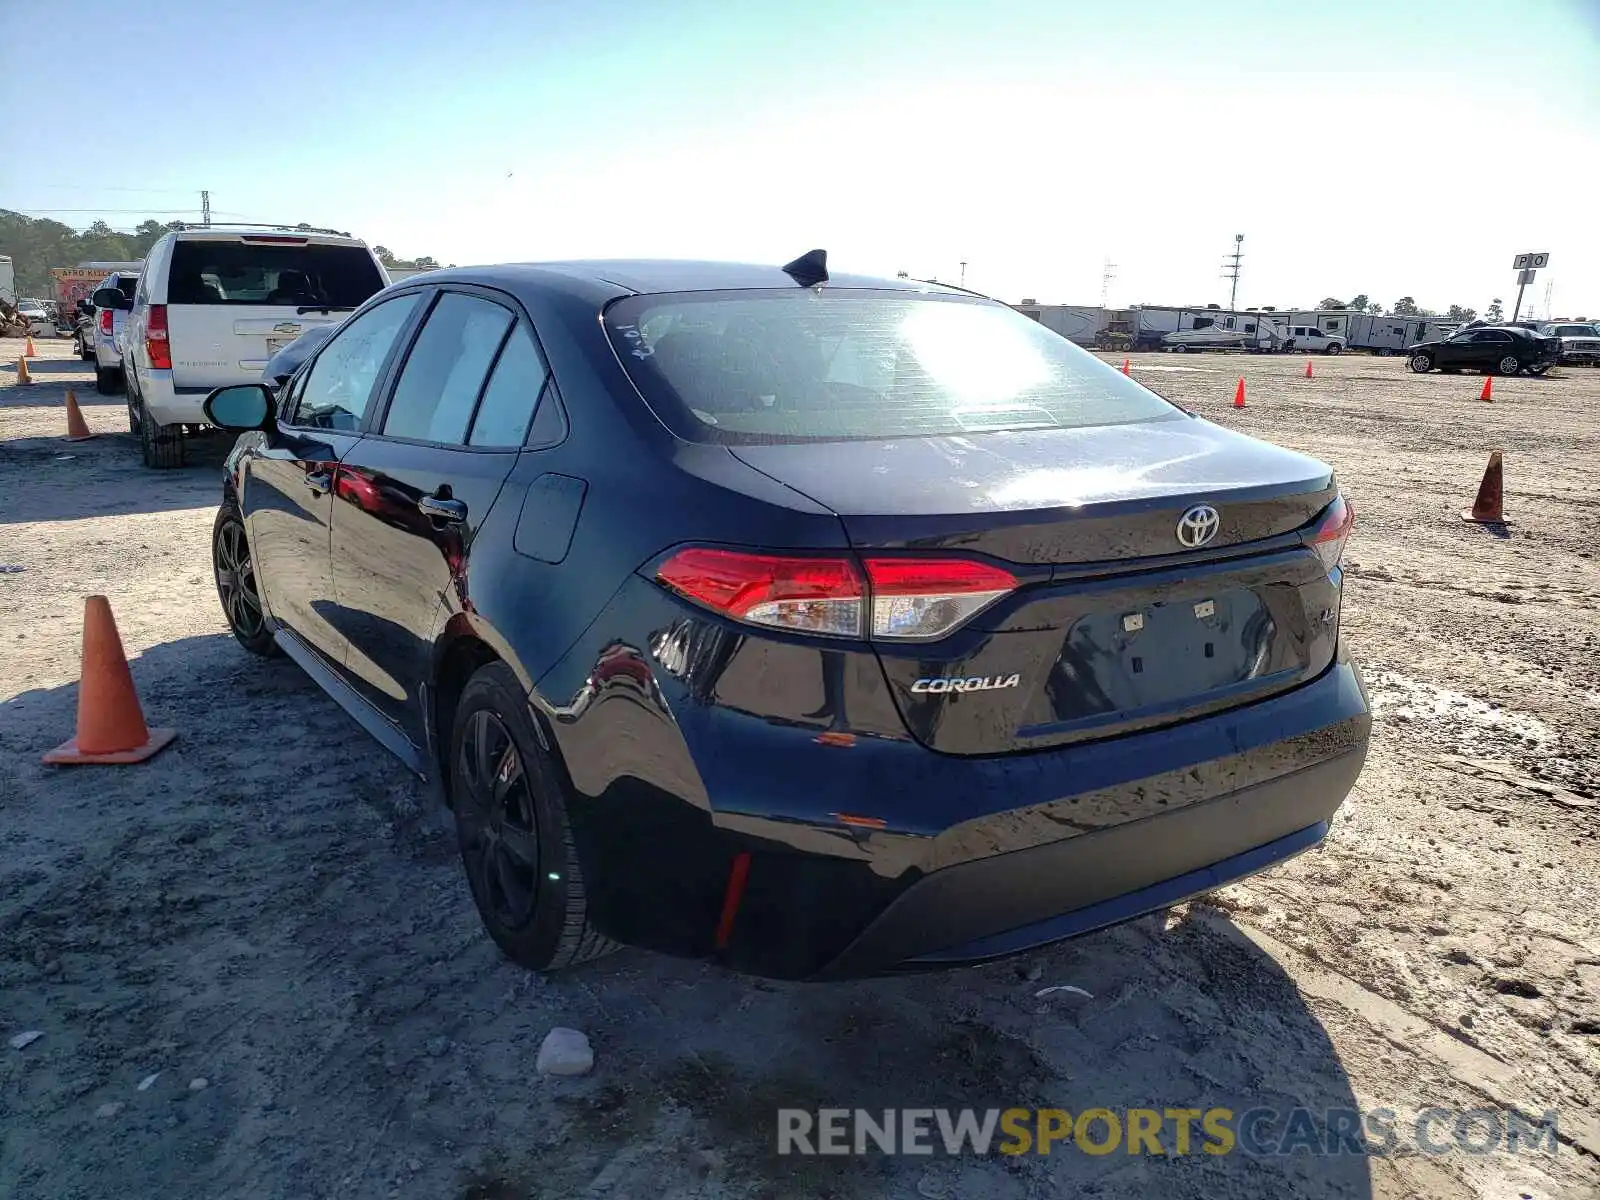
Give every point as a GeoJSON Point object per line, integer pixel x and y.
{"type": "Point", "coordinates": [1361, 147]}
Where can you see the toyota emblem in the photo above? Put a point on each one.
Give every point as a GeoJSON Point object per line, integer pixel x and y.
{"type": "Point", "coordinates": [1198, 526]}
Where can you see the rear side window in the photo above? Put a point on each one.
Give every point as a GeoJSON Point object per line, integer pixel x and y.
{"type": "Point", "coordinates": [822, 365]}
{"type": "Point", "coordinates": [512, 394]}
{"type": "Point", "coordinates": [445, 371]}
{"type": "Point", "coordinates": [275, 273]}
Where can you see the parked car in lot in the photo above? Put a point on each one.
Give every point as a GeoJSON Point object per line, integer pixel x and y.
{"type": "Point", "coordinates": [1308, 339]}
{"type": "Point", "coordinates": [823, 626]}
{"type": "Point", "coordinates": [1580, 342]}
{"type": "Point", "coordinates": [39, 318]}
{"type": "Point", "coordinates": [1494, 349]}
{"type": "Point", "coordinates": [99, 338]}
{"type": "Point", "coordinates": [215, 302]}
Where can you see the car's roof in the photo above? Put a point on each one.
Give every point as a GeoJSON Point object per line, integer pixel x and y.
{"type": "Point", "coordinates": [608, 278]}
{"type": "Point", "coordinates": [238, 233]}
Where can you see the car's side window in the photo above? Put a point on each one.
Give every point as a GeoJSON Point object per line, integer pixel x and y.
{"type": "Point", "coordinates": [444, 374]}
{"type": "Point", "coordinates": [337, 390]}
{"type": "Point", "coordinates": [513, 393]}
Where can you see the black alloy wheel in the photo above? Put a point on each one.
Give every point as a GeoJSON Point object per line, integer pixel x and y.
{"type": "Point", "coordinates": [508, 793]}
{"type": "Point", "coordinates": [236, 583]}
{"type": "Point", "coordinates": [499, 832]}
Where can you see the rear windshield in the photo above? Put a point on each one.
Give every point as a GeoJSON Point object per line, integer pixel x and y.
{"type": "Point", "coordinates": [127, 285]}
{"type": "Point", "coordinates": [206, 272]}
{"type": "Point", "coordinates": [803, 365]}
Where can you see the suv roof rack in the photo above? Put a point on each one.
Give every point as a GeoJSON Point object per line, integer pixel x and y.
{"type": "Point", "coordinates": [187, 225]}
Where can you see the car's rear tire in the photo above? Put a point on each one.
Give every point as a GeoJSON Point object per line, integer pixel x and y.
{"type": "Point", "coordinates": [1422, 363]}
{"type": "Point", "coordinates": [516, 844]}
{"type": "Point", "coordinates": [1509, 365]}
{"type": "Point", "coordinates": [85, 351]}
{"type": "Point", "coordinates": [161, 445]}
{"type": "Point", "coordinates": [1333, 348]}
{"type": "Point", "coordinates": [235, 575]}
{"type": "Point", "coordinates": [107, 380]}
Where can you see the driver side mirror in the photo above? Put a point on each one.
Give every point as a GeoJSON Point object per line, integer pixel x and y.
{"type": "Point", "coordinates": [241, 407]}
{"type": "Point", "coordinates": [110, 297]}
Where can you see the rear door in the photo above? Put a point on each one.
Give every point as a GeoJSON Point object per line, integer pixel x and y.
{"type": "Point", "coordinates": [288, 493]}
{"type": "Point", "coordinates": [413, 494]}
{"type": "Point", "coordinates": [234, 299]}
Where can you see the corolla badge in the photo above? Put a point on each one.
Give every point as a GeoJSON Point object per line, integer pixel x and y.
{"type": "Point", "coordinates": [1198, 525]}
{"type": "Point", "coordinates": [959, 683]}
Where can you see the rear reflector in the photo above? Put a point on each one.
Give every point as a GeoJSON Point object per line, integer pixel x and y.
{"type": "Point", "coordinates": [908, 599]}
{"type": "Point", "coordinates": [732, 898]}
{"type": "Point", "coordinates": [1328, 535]}
{"type": "Point", "coordinates": [156, 345]}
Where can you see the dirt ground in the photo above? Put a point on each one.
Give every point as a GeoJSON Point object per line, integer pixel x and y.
{"type": "Point", "coordinates": [257, 972]}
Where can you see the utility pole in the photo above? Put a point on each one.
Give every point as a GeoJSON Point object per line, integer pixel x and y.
{"type": "Point", "coordinates": [1230, 269]}
{"type": "Point", "coordinates": [205, 208]}
{"type": "Point", "coordinates": [1107, 274]}
{"type": "Point", "coordinates": [963, 272]}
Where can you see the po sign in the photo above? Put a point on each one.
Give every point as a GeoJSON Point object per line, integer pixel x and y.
{"type": "Point", "coordinates": [1531, 261]}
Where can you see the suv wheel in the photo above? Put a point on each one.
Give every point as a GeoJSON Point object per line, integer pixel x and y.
{"type": "Point", "coordinates": [1422, 363]}
{"type": "Point", "coordinates": [162, 445]}
{"type": "Point", "coordinates": [106, 380]}
{"type": "Point", "coordinates": [1334, 348]}
{"type": "Point", "coordinates": [511, 824]}
{"type": "Point", "coordinates": [236, 583]}
{"type": "Point", "coordinates": [1509, 365]}
{"type": "Point", "coordinates": [85, 351]}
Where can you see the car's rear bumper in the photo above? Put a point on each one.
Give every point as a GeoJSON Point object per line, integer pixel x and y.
{"type": "Point", "coordinates": [168, 404]}
{"type": "Point", "coordinates": [828, 843]}
{"type": "Point", "coordinates": [996, 906]}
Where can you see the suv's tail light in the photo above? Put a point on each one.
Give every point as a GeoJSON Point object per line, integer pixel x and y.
{"type": "Point", "coordinates": [905, 599]}
{"type": "Point", "coordinates": [1327, 536]}
{"type": "Point", "coordinates": [105, 320]}
{"type": "Point", "coordinates": [155, 339]}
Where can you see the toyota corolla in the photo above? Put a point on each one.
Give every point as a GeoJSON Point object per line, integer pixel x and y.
{"type": "Point", "coordinates": [823, 626]}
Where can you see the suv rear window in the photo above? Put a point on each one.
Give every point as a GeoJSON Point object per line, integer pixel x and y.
{"type": "Point", "coordinates": [802, 365]}
{"type": "Point", "coordinates": [209, 272]}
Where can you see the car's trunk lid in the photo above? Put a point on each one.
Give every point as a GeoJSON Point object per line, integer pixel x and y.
{"type": "Point", "coordinates": [1118, 624]}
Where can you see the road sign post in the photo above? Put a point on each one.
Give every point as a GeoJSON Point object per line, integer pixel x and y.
{"type": "Point", "coordinates": [1525, 265]}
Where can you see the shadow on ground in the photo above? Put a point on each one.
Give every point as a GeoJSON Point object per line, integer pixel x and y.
{"type": "Point", "coordinates": [269, 908]}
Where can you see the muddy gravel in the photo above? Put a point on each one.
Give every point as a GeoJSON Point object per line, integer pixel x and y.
{"type": "Point", "coordinates": [254, 970]}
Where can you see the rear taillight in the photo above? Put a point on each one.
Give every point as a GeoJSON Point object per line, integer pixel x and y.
{"type": "Point", "coordinates": [155, 339]}
{"type": "Point", "coordinates": [1327, 536]}
{"type": "Point", "coordinates": [901, 599]}
{"type": "Point", "coordinates": [920, 598]}
{"type": "Point", "coordinates": [105, 320]}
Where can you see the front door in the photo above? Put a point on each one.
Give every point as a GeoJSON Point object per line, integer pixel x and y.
{"type": "Point", "coordinates": [288, 494]}
{"type": "Point", "coordinates": [413, 494]}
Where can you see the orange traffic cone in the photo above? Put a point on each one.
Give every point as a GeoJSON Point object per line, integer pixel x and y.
{"type": "Point", "coordinates": [1124, 366]}
{"type": "Point", "coordinates": [1489, 507]}
{"type": "Point", "coordinates": [1238, 394]}
{"type": "Point", "coordinates": [30, 352]}
{"type": "Point", "coordinates": [1308, 368]}
{"type": "Point", "coordinates": [111, 726]}
{"type": "Point", "coordinates": [1488, 388]}
{"type": "Point", "coordinates": [77, 427]}
{"type": "Point", "coordinates": [22, 371]}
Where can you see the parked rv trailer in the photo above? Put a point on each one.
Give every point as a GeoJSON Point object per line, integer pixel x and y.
{"type": "Point", "coordinates": [1073, 322]}
{"type": "Point", "coordinates": [1386, 335]}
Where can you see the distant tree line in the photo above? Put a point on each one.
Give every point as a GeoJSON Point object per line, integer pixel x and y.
{"type": "Point", "coordinates": [36, 244]}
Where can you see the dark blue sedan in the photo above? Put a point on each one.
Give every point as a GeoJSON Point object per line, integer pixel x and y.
{"type": "Point", "coordinates": [824, 626]}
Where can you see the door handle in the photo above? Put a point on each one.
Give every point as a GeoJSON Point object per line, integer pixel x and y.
{"type": "Point", "coordinates": [320, 482]}
{"type": "Point", "coordinates": [443, 508]}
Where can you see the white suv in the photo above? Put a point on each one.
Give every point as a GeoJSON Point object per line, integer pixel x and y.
{"type": "Point", "coordinates": [216, 302]}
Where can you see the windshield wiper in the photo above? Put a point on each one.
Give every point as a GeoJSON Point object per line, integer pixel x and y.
{"type": "Point", "coordinates": [324, 308]}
